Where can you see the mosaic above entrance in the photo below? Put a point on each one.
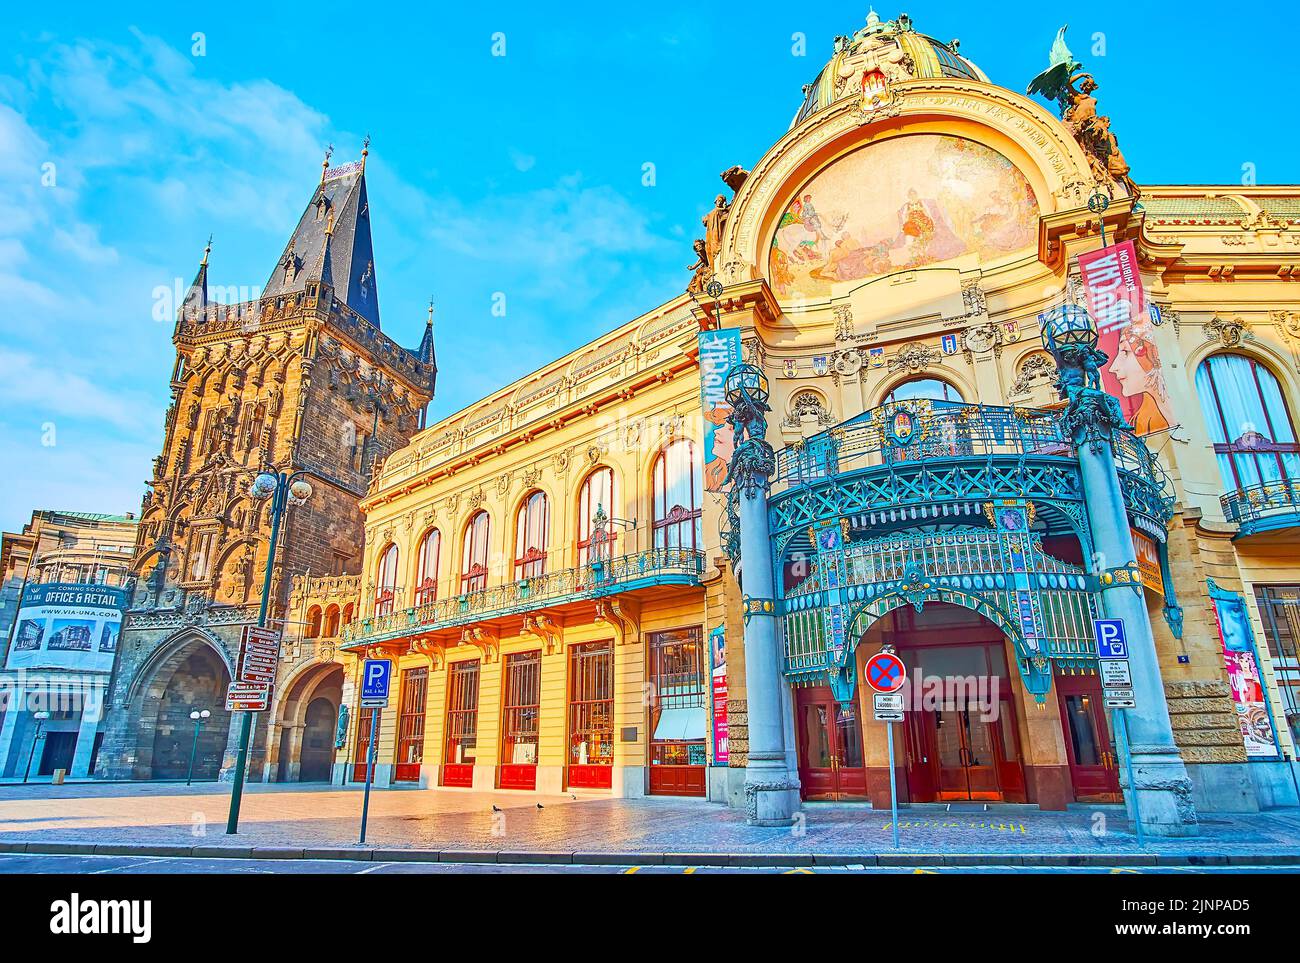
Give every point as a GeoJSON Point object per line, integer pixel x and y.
{"type": "Point", "coordinates": [898, 205]}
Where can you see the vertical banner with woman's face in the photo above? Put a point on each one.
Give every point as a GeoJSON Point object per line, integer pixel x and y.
{"type": "Point", "coordinates": [719, 353]}
{"type": "Point", "coordinates": [1118, 304]}
{"type": "Point", "coordinates": [1244, 677]}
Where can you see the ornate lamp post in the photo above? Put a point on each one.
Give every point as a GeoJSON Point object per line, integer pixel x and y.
{"type": "Point", "coordinates": [771, 797]}
{"type": "Point", "coordinates": [1160, 794]}
{"type": "Point", "coordinates": [283, 489]}
{"type": "Point", "coordinates": [198, 716]}
{"type": "Point", "coordinates": [40, 718]}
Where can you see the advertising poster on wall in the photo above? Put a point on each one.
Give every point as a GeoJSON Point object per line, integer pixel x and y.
{"type": "Point", "coordinates": [63, 625]}
{"type": "Point", "coordinates": [1118, 304]}
{"type": "Point", "coordinates": [718, 670]}
{"type": "Point", "coordinates": [719, 353]}
{"type": "Point", "coordinates": [1244, 676]}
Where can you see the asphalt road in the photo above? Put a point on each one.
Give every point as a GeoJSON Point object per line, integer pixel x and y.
{"type": "Point", "coordinates": [166, 865]}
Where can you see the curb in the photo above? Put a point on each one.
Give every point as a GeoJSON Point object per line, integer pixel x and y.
{"type": "Point", "coordinates": [717, 860]}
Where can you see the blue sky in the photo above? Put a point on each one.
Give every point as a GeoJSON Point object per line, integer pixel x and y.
{"type": "Point", "coordinates": [519, 174]}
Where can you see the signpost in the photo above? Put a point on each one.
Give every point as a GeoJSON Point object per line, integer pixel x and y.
{"type": "Point", "coordinates": [886, 675]}
{"type": "Point", "coordinates": [376, 675]}
{"type": "Point", "coordinates": [250, 690]}
{"type": "Point", "coordinates": [1117, 689]}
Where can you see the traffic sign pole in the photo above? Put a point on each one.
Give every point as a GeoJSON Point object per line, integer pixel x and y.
{"type": "Point", "coordinates": [370, 770]}
{"type": "Point", "coordinates": [887, 675]}
{"type": "Point", "coordinates": [1121, 730]}
{"type": "Point", "coordinates": [893, 781]}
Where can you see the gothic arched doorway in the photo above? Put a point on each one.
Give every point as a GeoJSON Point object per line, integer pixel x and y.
{"type": "Point", "coordinates": [195, 677]}
{"type": "Point", "coordinates": [308, 717]}
{"type": "Point", "coordinates": [316, 760]}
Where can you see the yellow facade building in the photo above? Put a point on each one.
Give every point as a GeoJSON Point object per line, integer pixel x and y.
{"type": "Point", "coordinates": [556, 570]}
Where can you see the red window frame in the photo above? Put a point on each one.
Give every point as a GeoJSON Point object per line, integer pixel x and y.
{"type": "Point", "coordinates": [588, 505]}
{"type": "Point", "coordinates": [474, 553]}
{"type": "Point", "coordinates": [532, 525]}
{"type": "Point", "coordinates": [426, 567]}
{"type": "Point", "coordinates": [677, 525]}
{"type": "Point", "coordinates": [410, 724]}
{"type": "Point", "coordinates": [520, 715]}
{"type": "Point", "coordinates": [462, 723]}
{"type": "Point", "coordinates": [591, 715]}
{"type": "Point", "coordinates": [362, 744]}
{"type": "Point", "coordinates": [386, 581]}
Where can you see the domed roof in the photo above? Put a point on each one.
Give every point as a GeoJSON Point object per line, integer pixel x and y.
{"type": "Point", "coordinates": [892, 48]}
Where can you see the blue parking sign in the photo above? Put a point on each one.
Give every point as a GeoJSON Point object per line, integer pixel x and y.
{"type": "Point", "coordinates": [375, 678]}
{"type": "Point", "coordinates": [1112, 643]}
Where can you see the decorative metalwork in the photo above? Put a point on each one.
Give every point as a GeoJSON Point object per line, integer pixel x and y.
{"type": "Point", "coordinates": [1272, 504]}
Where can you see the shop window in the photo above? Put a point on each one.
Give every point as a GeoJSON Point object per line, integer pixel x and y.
{"type": "Point", "coordinates": [426, 567]}
{"type": "Point", "coordinates": [410, 724]}
{"type": "Point", "coordinates": [1248, 422]}
{"type": "Point", "coordinates": [361, 756]}
{"type": "Point", "coordinates": [1279, 609]}
{"type": "Point", "coordinates": [474, 559]}
{"type": "Point", "coordinates": [531, 525]}
{"type": "Point", "coordinates": [519, 720]}
{"type": "Point", "coordinates": [591, 714]}
{"type": "Point", "coordinates": [677, 497]}
{"type": "Point", "coordinates": [596, 497]}
{"type": "Point", "coordinates": [678, 713]}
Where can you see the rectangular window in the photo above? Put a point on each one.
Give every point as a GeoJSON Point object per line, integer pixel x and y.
{"type": "Point", "coordinates": [410, 725]}
{"type": "Point", "coordinates": [678, 712]}
{"type": "Point", "coordinates": [1279, 609]}
{"type": "Point", "coordinates": [591, 715]}
{"type": "Point", "coordinates": [462, 724]}
{"type": "Point", "coordinates": [519, 720]}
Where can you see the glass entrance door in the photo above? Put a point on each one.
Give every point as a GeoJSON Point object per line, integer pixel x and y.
{"type": "Point", "coordinates": [965, 747]}
{"type": "Point", "coordinates": [831, 762]}
{"type": "Point", "coordinates": [1088, 741]}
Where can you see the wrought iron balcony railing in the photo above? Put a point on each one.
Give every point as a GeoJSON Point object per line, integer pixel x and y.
{"type": "Point", "coordinates": [1258, 505]}
{"type": "Point", "coordinates": [596, 579]}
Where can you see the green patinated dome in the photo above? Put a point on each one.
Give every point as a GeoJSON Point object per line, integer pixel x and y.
{"type": "Point", "coordinates": [898, 48]}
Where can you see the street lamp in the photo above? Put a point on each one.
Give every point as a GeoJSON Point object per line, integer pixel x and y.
{"type": "Point", "coordinates": [198, 715]}
{"type": "Point", "coordinates": [283, 489]}
{"type": "Point", "coordinates": [40, 718]}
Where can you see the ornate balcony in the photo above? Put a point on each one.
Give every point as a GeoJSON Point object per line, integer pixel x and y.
{"type": "Point", "coordinates": [595, 580]}
{"type": "Point", "coordinates": [1266, 507]}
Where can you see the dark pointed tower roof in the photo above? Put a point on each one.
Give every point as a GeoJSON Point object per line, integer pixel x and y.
{"type": "Point", "coordinates": [196, 298]}
{"type": "Point", "coordinates": [425, 352]}
{"type": "Point", "coordinates": [332, 240]}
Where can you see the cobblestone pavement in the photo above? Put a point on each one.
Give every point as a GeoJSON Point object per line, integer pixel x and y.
{"type": "Point", "coordinates": [321, 816]}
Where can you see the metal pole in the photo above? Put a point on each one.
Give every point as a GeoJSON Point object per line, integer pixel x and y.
{"type": "Point", "coordinates": [893, 781]}
{"type": "Point", "coordinates": [1121, 728]}
{"type": "Point", "coordinates": [31, 755]}
{"type": "Point", "coordinates": [194, 750]}
{"type": "Point", "coordinates": [246, 726]}
{"type": "Point", "coordinates": [370, 770]}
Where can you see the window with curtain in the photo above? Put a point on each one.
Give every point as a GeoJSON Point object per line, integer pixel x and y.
{"type": "Point", "coordinates": [1247, 418]}
{"type": "Point", "coordinates": [596, 494]}
{"type": "Point", "coordinates": [677, 497]}
{"type": "Point", "coordinates": [474, 558]}
{"type": "Point", "coordinates": [927, 389]}
{"type": "Point", "coordinates": [531, 524]}
{"type": "Point", "coordinates": [386, 581]}
{"type": "Point", "coordinates": [426, 567]}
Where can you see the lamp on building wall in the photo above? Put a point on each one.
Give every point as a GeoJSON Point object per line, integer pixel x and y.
{"type": "Point", "coordinates": [1068, 326]}
{"type": "Point", "coordinates": [283, 489]}
{"type": "Point", "coordinates": [40, 718]}
{"type": "Point", "coordinates": [198, 716]}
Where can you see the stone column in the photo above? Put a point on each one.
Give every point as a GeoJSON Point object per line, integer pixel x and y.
{"type": "Point", "coordinates": [1163, 790]}
{"type": "Point", "coordinates": [92, 710]}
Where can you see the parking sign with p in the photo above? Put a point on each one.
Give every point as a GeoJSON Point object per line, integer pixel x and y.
{"type": "Point", "coordinates": [1112, 643]}
{"type": "Point", "coordinates": [376, 675]}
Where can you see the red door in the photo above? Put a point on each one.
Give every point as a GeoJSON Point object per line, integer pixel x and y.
{"type": "Point", "coordinates": [831, 764]}
{"type": "Point", "coordinates": [1088, 742]}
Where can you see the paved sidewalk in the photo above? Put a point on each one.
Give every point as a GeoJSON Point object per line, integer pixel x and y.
{"type": "Point", "coordinates": [456, 824]}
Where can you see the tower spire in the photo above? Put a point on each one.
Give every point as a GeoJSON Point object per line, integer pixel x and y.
{"type": "Point", "coordinates": [365, 152]}
{"type": "Point", "coordinates": [325, 164]}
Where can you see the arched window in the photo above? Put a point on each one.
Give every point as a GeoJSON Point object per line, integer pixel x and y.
{"type": "Point", "coordinates": [1248, 421]}
{"type": "Point", "coordinates": [596, 495]}
{"type": "Point", "coordinates": [531, 525]}
{"type": "Point", "coordinates": [331, 622]}
{"type": "Point", "coordinates": [426, 567]}
{"type": "Point", "coordinates": [677, 497]}
{"type": "Point", "coordinates": [313, 622]}
{"type": "Point", "coordinates": [474, 559]}
{"type": "Point", "coordinates": [924, 389]}
{"type": "Point", "coordinates": [386, 581]}
{"type": "Point", "coordinates": [347, 614]}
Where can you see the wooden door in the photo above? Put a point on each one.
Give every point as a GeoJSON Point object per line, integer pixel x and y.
{"type": "Point", "coordinates": [1089, 745]}
{"type": "Point", "coordinates": [831, 761]}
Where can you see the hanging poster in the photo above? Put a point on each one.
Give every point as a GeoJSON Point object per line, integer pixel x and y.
{"type": "Point", "coordinates": [719, 353]}
{"type": "Point", "coordinates": [1244, 677]}
{"type": "Point", "coordinates": [718, 670]}
{"type": "Point", "coordinates": [62, 625]}
{"type": "Point", "coordinates": [1118, 304]}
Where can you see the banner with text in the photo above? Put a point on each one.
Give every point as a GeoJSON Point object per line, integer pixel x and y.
{"type": "Point", "coordinates": [719, 353]}
{"type": "Point", "coordinates": [64, 625]}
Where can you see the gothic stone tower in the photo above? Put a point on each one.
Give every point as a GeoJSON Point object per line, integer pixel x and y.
{"type": "Point", "coordinates": [300, 379]}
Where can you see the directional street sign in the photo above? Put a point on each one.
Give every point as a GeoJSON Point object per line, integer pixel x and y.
{"type": "Point", "coordinates": [1112, 642]}
{"type": "Point", "coordinates": [886, 672]}
{"type": "Point", "coordinates": [1120, 699]}
{"type": "Point", "coordinates": [375, 679]}
{"type": "Point", "coordinates": [889, 708]}
{"type": "Point", "coordinates": [246, 697]}
{"type": "Point", "coordinates": [1116, 675]}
